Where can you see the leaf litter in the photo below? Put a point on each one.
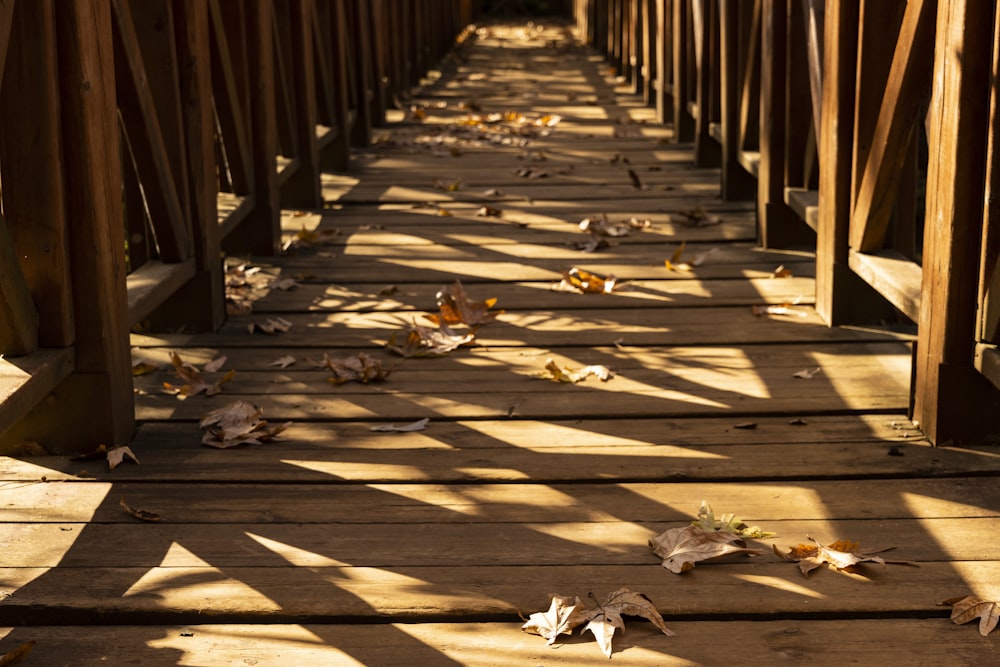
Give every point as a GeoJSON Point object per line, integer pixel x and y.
{"type": "Point", "coordinates": [566, 613]}
{"type": "Point", "coordinates": [969, 608]}
{"type": "Point", "coordinates": [703, 539]}
{"type": "Point", "coordinates": [554, 371]}
{"type": "Point", "coordinates": [360, 367]}
{"type": "Point", "coordinates": [194, 381]}
{"type": "Point", "coordinates": [142, 515]}
{"type": "Point", "coordinates": [842, 555]}
{"type": "Point", "coordinates": [421, 341]}
{"type": "Point", "coordinates": [237, 423]}
{"type": "Point", "coordinates": [582, 281]}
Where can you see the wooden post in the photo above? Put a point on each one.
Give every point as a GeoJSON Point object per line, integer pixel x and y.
{"type": "Point", "coordinates": [33, 193]}
{"type": "Point", "coordinates": [681, 50]}
{"type": "Point", "coordinates": [737, 183]}
{"type": "Point", "coordinates": [952, 400]}
{"type": "Point", "coordinates": [303, 189]}
{"type": "Point", "coordinates": [707, 151]}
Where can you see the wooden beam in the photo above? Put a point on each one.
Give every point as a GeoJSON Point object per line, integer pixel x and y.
{"type": "Point", "coordinates": [18, 317]}
{"type": "Point", "coordinates": [33, 193]}
{"type": "Point", "coordinates": [949, 400]}
{"type": "Point", "coordinates": [989, 271]}
{"type": "Point", "coordinates": [303, 191]}
{"type": "Point", "coordinates": [901, 108]}
{"type": "Point", "coordinates": [6, 20]}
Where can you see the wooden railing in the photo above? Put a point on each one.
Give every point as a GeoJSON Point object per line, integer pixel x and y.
{"type": "Point", "coordinates": [141, 138]}
{"type": "Point", "coordinates": [866, 128]}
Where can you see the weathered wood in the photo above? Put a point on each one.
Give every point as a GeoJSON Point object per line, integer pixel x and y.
{"type": "Point", "coordinates": [26, 381]}
{"type": "Point", "coordinates": [33, 193]}
{"type": "Point", "coordinates": [304, 189]}
{"type": "Point", "coordinates": [19, 328]}
{"type": "Point", "coordinates": [893, 276]}
{"type": "Point", "coordinates": [736, 182]}
{"type": "Point", "coordinates": [947, 399]}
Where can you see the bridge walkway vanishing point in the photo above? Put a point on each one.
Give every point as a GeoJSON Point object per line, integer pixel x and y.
{"type": "Point", "coordinates": [338, 543]}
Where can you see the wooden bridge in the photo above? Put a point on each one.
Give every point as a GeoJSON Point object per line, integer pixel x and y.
{"type": "Point", "coordinates": [770, 222]}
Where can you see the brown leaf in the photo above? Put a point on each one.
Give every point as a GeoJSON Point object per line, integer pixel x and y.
{"type": "Point", "coordinates": [558, 620]}
{"type": "Point", "coordinates": [215, 365]}
{"type": "Point", "coordinates": [969, 608]}
{"type": "Point", "coordinates": [359, 368]}
{"type": "Point", "coordinates": [283, 362]}
{"type": "Point", "coordinates": [142, 515]}
{"type": "Point", "coordinates": [237, 423]}
{"type": "Point", "coordinates": [781, 272]}
{"type": "Point", "coordinates": [728, 523]}
{"type": "Point", "coordinates": [603, 227]}
{"type": "Point", "coordinates": [585, 282]}
{"type": "Point", "coordinates": [554, 371]}
{"type": "Point", "coordinates": [489, 212]}
{"type": "Point", "coordinates": [779, 309]}
{"type": "Point", "coordinates": [699, 217]}
{"type": "Point", "coordinates": [119, 455]}
{"type": "Point", "coordinates": [806, 374]}
{"type": "Point", "coordinates": [603, 620]}
{"type": "Point", "coordinates": [17, 654]}
{"type": "Point", "coordinates": [195, 382]}
{"type": "Point", "coordinates": [841, 555]}
{"type": "Point", "coordinates": [447, 186]}
{"type": "Point", "coordinates": [454, 307]}
{"type": "Point", "coordinates": [634, 177]}
{"type": "Point", "coordinates": [100, 453]}
{"type": "Point", "coordinates": [418, 425]}
{"type": "Point", "coordinates": [143, 368]}
{"type": "Point", "coordinates": [428, 342]}
{"type": "Point", "coordinates": [746, 426]}
{"type": "Point", "coordinates": [271, 326]}
{"type": "Point", "coordinates": [681, 548]}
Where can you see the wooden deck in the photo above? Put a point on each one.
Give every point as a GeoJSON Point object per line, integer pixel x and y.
{"type": "Point", "coordinates": [336, 544]}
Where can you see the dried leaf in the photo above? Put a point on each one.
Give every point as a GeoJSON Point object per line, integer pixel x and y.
{"type": "Point", "coordinates": [841, 555]}
{"type": "Point", "coordinates": [215, 365]}
{"type": "Point", "coordinates": [728, 523]}
{"type": "Point", "coordinates": [283, 284]}
{"type": "Point", "coordinates": [359, 368]}
{"type": "Point", "coordinates": [969, 608]}
{"type": "Point", "coordinates": [454, 307]}
{"type": "Point", "coordinates": [674, 263]}
{"type": "Point", "coordinates": [100, 453]}
{"type": "Point", "coordinates": [781, 272]}
{"type": "Point", "coordinates": [447, 186]}
{"type": "Point", "coordinates": [17, 654]}
{"type": "Point", "coordinates": [634, 177]}
{"type": "Point", "coordinates": [806, 374]}
{"type": "Point", "coordinates": [195, 383]}
{"type": "Point", "coordinates": [554, 371]}
{"type": "Point", "coordinates": [603, 620]}
{"type": "Point", "coordinates": [603, 227]}
{"type": "Point", "coordinates": [418, 425]}
{"type": "Point", "coordinates": [489, 212]}
{"type": "Point", "coordinates": [143, 368]}
{"type": "Point", "coordinates": [746, 426]}
{"type": "Point", "coordinates": [237, 423]}
{"type": "Point", "coordinates": [391, 290]}
{"type": "Point", "coordinates": [271, 326]}
{"type": "Point", "coordinates": [681, 548]}
{"type": "Point", "coordinates": [585, 282]}
{"type": "Point", "coordinates": [120, 455]}
{"type": "Point", "coordinates": [142, 515]}
{"type": "Point", "coordinates": [560, 619]}
{"type": "Point", "coordinates": [779, 309]}
{"type": "Point", "coordinates": [428, 342]}
{"type": "Point", "coordinates": [699, 217]}
{"type": "Point", "coordinates": [283, 362]}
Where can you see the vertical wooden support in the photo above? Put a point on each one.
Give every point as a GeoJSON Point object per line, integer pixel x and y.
{"type": "Point", "coordinates": [97, 399]}
{"type": "Point", "coordinates": [989, 281]}
{"type": "Point", "coordinates": [303, 189]}
{"type": "Point", "coordinates": [707, 151]}
{"type": "Point", "coordinates": [18, 318]}
{"type": "Point", "coordinates": [261, 233]}
{"type": "Point", "coordinates": [34, 193]}
{"type": "Point", "coordinates": [951, 400]}
{"type": "Point", "coordinates": [737, 183]}
{"type": "Point", "coordinates": [662, 38]}
{"type": "Point", "coordinates": [681, 50]}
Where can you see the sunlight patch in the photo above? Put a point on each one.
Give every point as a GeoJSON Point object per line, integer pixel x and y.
{"type": "Point", "coordinates": [780, 584]}
{"type": "Point", "coordinates": [351, 470]}
{"type": "Point", "coordinates": [294, 555]}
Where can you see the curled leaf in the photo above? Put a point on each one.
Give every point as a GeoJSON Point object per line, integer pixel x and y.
{"type": "Point", "coordinates": [969, 608]}
{"type": "Point", "coordinates": [554, 371]}
{"type": "Point", "coordinates": [359, 368]}
{"type": "Point", "coordinates": [841, 555]}
{"type": "Point", "coordinates": [237, 423]}
{"type": "Point", "coordinates": [585, 282]}
{"type": "Point", "coordinates": [455, 307]}
{"type": "Point", "coordinates": [681, 548]}
{"type": "Point", "coordinates": [418, 425]}
{"type": "Point", "coordinates": [142, 515]}
{"type": "Point", "coordinates": [560, 619]}
{"type": "Point", "coordinates": [604, 619]}
{"type": "Point", "coordinates": [728, 523]}
{"type": "Point", "coordinates": [119, 455]}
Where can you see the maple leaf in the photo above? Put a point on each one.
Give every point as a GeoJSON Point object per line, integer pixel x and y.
{"type": "Point", "coordinates": [606, 618]}
{"type": "Point", "coordinates": [119, 455]}
{"type": "Point", "coordinates": [283, 362]}
{"type": "Point", "coordinates": [806, 374]}
{"type": "Point", "coordinates": [428, 341]}
{"type": "Point", "coordinates": [359, 368]}
{"type": "Point", "coordinates": [555, 372]}
{"type": "Point", "coordinates": [585, 282]}
{"type": "Point", "coordinates": [560, 619]}
{"type": "Point", "coordinates": [194, 382]}
{"type": "Point", "coordinates": [681, 548]}
{"type": "Point", "coordinates": [969, 608]}
{"type": "Point", "coordinates": [454, 307]}
{"type": "Point", "coordinates": [728, 523]}
{"type": "Point", "coordinates": [841, 555]}
{"type": "Point", "coordinates": [237, 423]}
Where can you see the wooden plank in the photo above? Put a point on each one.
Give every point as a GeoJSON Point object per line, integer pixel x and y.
{"type": "Point", "coordinates": [33, 193]}
{"type": "Point", "coordinates": [805, 203]}
{"type": "Point", "coordinates": [893, 276]}
{"type": "Point", "coordinates": [321, 589]}
{"type": "Point", "coordinates": [153, 283]}
{"type": "Point", "coordinates": [401, 645]}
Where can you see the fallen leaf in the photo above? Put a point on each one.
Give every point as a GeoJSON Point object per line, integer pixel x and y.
{"type": "Point", "coordinates": [17, 654]}
{"type": "Point", "coordinates": [969, 608]}
{"type": "Point", "coordinates": [237, 423]}
{"type": "Point", "coordinates": [120, 455]}
{"type": "Point", "coordinates": [603, 227]}
{"type": "Point", "coordinates": [194, 382]}
{"type": "Point", "coordinates": [728, 523]}
{"type": "Point", "coordinates": [699, 217]}
{"type": "Point", "coordinates": [311, 237]}
{"type": "Point", "coordinates": [746, 426]}
{"type": "Point", "coordinates": [358, 368]}
{"type": "Point", "coordinates": [283, 284]}
{"type": "Point", "coordinates": [28, 448]}
{"type": "Point", "coordinates": [142, 515]}
{"type": "Point", "coordinates": [806, 374]}
{"type": "Point", "coordinates": [841, 555]}
{"type": "Point", "coordinates": [424, 341]}
{"type": "Point", "coordinates": [554, 371]}
{"type": "Point", "coordinates": [779, 309]}
{"type": "Point", "coordinates": [634, 177]}
{"type": "Point", "coordinates": [681, 548]}
{"type": "Point", "coordinates": [674, 263]}
{"type": "Point", "coordinates": [391, 290]}
{"type": "Point", "coordinates": [447, 186]}
{"type": "Point", "coordinates": [585, 282]}
{"type": "Point", "coordinates": [418, 425]}
{"type": "Point", "coordinates": [781, 272]}
{"type": "Point", "coordinates": [489, 212]}
{"type": "Point", "coordinates": [560, 619]}
{"type": "Point", "coordinates": [493, 192]}
{"type": "Point", "coordinates": [603, 620]}
{"type": "Point", "coordinates": [798, 421]}
{"type": "Point", "coordinates": [143, 368]}
{"type": "Point", "coordinates": [271, 326]}
{"type": "Point", "coordinates": [100, 453]}
{"type": "Point", "coordinates": [215, 365]}
{"type": "Point", "coordinates": [454, 307]}
{"type": "Point", "coordinates": [283, 362]}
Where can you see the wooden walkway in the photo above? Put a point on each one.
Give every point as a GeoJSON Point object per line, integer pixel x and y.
{"type": "Point", "coordinates": [337, 544]}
